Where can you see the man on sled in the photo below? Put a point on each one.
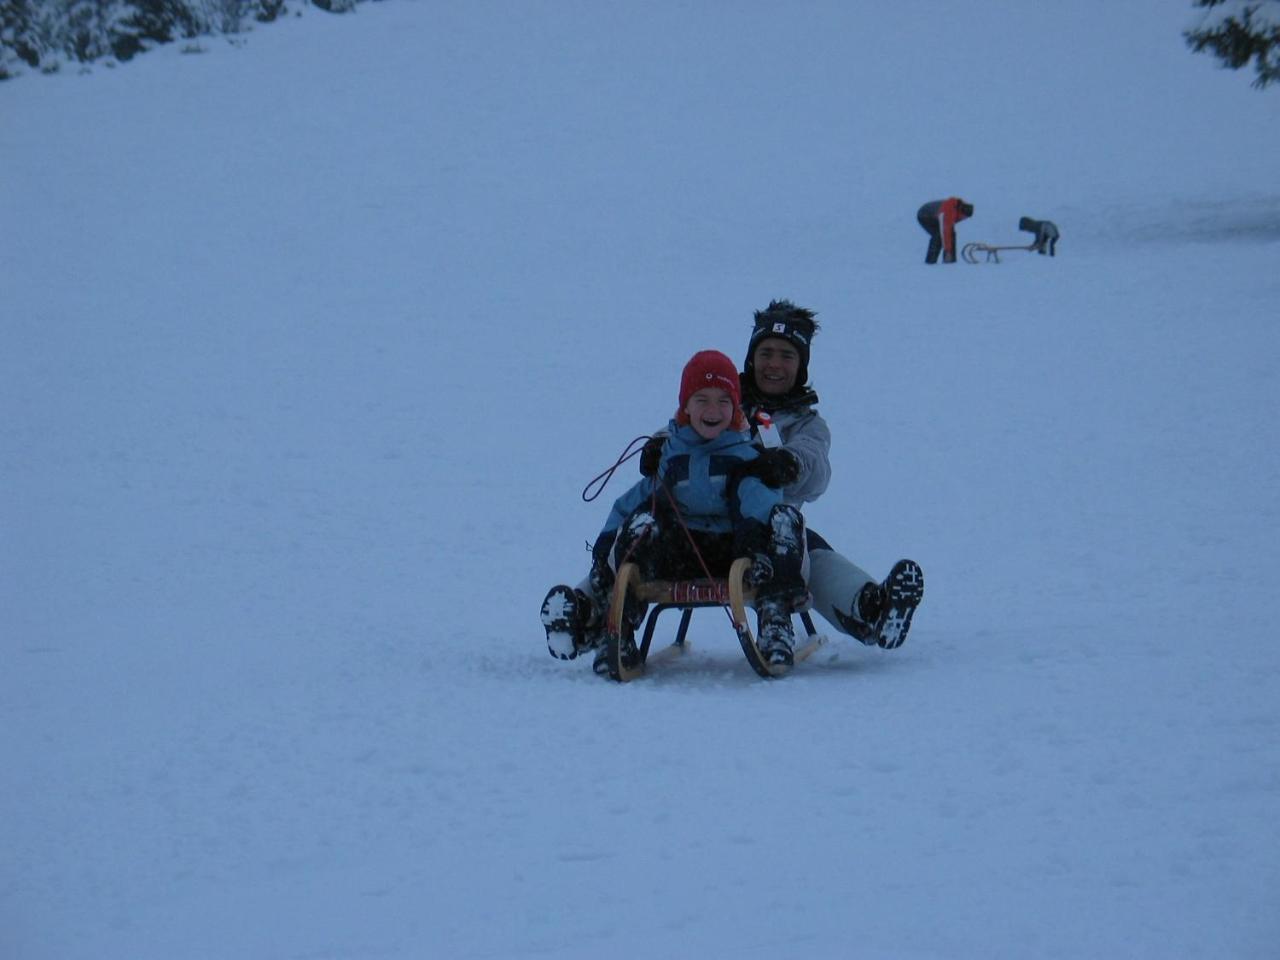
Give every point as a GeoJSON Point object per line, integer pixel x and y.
{"type": "Point", "coordinates": [781, 408]}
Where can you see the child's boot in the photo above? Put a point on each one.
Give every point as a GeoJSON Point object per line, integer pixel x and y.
{"type": "Point", "coordinates": [634, 613]}
{"type": "Point", "coordinates": [569, 619]}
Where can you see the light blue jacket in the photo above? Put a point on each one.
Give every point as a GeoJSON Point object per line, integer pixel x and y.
{"type": "Point", "coordinates": [696, 473]}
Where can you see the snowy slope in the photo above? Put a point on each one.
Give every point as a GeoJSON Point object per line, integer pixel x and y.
{"type": "Point", "coordinates": [311, 344]}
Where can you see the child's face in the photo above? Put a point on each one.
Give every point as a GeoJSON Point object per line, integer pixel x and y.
{"type": "Point", "coordinates": [710, 411]}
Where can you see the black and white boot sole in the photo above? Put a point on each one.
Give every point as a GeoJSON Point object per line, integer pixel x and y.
{"type": "Point", "coordinates": [560, 617]}
{"type": "Point", "coordinates": [903, 591]}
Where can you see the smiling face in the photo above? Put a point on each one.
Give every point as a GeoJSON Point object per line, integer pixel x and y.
{"type": "Point", "coordinates": [710, 411]}
{"type": "Point", "coordinates": [777, 364]}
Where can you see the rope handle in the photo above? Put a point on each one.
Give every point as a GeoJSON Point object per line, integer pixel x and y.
{"type": "Point", "coordinates": [603, 478]}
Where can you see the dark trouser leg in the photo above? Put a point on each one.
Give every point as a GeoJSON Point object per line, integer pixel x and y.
{"type": "Point", "coordinates": [635, 543]}
{"type": "Point", "coordinates": [788, 553]}
{"type": "Point", "coordinates": [664, 550]}
{"type": "Point", "coordinates": [780, 596]}
{"type": "Point", "coordinates": [930, 226]}
{"type": "Point", "coordinates": [695, 554]}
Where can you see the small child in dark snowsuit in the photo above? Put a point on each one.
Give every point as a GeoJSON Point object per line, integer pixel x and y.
{"type": "Point", "coordinates": [704, 505]}
{"type": "Point", "coordinates": [1046, 232]}
{"type": "Point", "coordinates": [939, 219]}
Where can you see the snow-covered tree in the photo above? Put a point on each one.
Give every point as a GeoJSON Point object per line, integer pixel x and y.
{"type": "Point", "coordinates": [45, 33]}
{"type": "Point", "coordinates": [1238, 31]}
{"type": "Point", "coordinates": [29, 31]}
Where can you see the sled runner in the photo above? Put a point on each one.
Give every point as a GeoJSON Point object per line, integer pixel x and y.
{"type": "Point", "coordinates": [1046, 242]}
{"type": "Point", "coordinates": [626, 661]}
{"type": "Point", "coordinates": [970, 251]}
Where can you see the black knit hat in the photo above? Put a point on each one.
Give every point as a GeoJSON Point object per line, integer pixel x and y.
{"type": "Point", "coordinates": [784, 320]}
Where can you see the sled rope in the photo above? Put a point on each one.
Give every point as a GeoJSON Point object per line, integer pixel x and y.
{"type": "Point", "coordinates": [605, 476]}
{"type": "Point", "coordinates": [693, 544]}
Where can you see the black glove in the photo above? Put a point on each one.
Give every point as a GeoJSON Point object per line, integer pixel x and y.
{"type": "Point", "coordinates": [651, 455]}
{"type": "Point", "coordinates": [776, 468]}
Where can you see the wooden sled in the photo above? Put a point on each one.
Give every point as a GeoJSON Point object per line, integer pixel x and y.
{"type": "Point", "coordinates": [970, 251]}
{"type": "Point", "coordinates": [627, 661]}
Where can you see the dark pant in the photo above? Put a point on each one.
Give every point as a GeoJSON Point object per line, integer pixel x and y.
{"type": "Point", "coordinates": [930, 225]}
{"type": "Point", "coordinates": [664, 550]}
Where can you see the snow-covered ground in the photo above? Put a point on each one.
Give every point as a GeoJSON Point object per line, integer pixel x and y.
{"type": "Point", "coordinates": [309, 346]}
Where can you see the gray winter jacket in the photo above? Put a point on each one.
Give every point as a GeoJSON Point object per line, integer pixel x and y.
{"type": "Point", "coordinates": [806, 435]}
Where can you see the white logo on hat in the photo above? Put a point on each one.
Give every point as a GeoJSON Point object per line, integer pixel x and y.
{"type": "Point", "coordinates": [779, 328]}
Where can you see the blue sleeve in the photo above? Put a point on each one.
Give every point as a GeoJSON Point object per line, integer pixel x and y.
{"type": "Point", "coordinates": [625, 504]}
{"type": "Point", "coordinates": [809, 440]}
{"type": "Point", "coordinates": [755, 500]}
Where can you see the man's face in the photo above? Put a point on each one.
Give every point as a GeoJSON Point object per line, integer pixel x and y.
{"type": "Point", "coordinates": [777, 364]}
{"type": "Point", "coordinates": [710, 411]}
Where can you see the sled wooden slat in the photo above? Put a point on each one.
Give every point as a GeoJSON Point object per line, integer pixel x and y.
{"type": "Point", "coordinates": [688, 593]}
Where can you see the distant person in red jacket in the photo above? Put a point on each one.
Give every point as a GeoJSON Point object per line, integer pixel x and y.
{"type": "Point", "coordinates": [939, 219]}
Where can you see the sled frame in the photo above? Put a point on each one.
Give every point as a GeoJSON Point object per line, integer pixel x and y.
{"type": "Point", "coordinates": [970, 251]}
{"type": "Point", "coordinates": [627, 661]}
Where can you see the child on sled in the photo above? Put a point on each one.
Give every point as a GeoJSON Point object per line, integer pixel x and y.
{"type": "Point", "coordinates": [705, 506]}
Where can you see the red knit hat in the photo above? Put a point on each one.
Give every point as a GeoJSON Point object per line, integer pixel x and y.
{"type": "Point", "coordinates": [711, 368]}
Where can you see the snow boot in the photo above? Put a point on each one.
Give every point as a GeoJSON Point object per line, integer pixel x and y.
{"type": "Point", "coordinates": [567, 616]}
{"type": "Point", "coordinates": [634, 614]}
{"type": "Point", "coordinates": [777, 636]}
{"type": "Point", "coordinates": [867, 606]}
{"type": "Point", "coordinates": [864, 613]}
{"type": "Point", "coordinates": [899, 596]}
{"type": "Point", "coordinates": [630, 656]}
